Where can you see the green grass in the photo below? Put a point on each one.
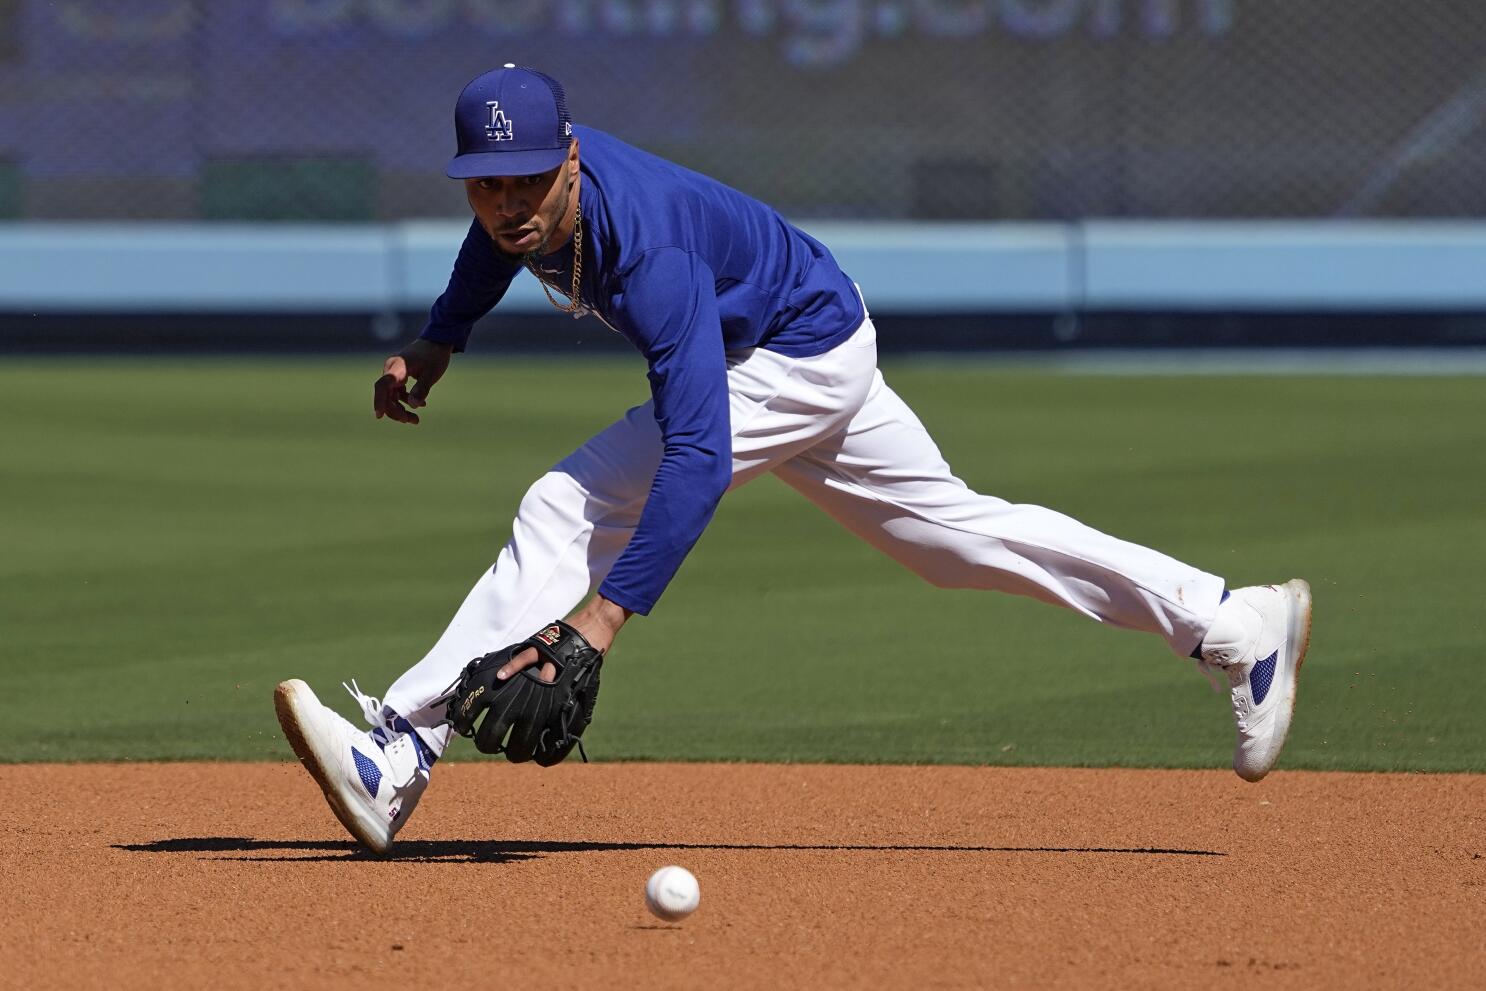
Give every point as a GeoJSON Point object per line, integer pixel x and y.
{"type": "Point", "coordinates": [178, 537]}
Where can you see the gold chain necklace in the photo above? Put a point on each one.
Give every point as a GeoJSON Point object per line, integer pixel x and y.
{"type": "Point", "coordinates": [574, 303]}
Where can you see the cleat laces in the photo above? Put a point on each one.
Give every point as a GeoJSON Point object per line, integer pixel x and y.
{"type": "Point", "coordinates": [1216, 675]}
{"type": "Point", "coordinates": [371, 706]}
{"type": "Point", "coordinates": [382, 734]}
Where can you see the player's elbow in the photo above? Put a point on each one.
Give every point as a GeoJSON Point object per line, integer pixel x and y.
{"type": "Point", "coordinates": [709, 471]}
{"type": "Point", "coordinates": [718, 475]}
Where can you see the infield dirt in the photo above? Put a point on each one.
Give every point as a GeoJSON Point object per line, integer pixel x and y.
{"type": "Point", "coordinates": [236, 876]}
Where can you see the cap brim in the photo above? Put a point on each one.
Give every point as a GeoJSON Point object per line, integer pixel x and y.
{"type": "Point", "coordinates": [478, 165]}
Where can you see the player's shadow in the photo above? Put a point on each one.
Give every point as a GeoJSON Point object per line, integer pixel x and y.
{"type": "Point", "coordinates": [507, 851]}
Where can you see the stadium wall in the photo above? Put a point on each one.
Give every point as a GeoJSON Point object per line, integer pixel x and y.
{"type": "Point", "coordinates": [191, 286]}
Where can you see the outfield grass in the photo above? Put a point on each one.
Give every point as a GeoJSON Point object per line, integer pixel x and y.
{"type": "Point", "coordinates": [178, 537]}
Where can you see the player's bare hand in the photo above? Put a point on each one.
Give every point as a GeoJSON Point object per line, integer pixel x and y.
{"type": "Point", "coordinates": [598, 622]}
{"type": "Point", "coordinates": [422, 363]}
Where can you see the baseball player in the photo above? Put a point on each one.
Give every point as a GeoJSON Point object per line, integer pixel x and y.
{"type": "Point", "coordinates": [762, 358]}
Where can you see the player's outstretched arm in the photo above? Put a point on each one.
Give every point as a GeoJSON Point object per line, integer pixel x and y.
{"type": "Point", "coordinates": [424, 363]}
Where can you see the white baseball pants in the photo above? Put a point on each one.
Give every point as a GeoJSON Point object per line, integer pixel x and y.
{"type": "Point", "coordinates": [830, 427]}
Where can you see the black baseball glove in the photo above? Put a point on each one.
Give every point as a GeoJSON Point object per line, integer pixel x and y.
{"type": "Point", "coordinates": [528, 718]}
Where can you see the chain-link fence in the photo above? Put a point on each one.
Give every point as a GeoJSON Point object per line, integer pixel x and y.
{"type": "Point", "coordinates": [1025, 109]}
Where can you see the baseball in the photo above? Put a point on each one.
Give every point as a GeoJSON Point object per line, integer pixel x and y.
{"type": "Point", "coordinates": [672, 893]}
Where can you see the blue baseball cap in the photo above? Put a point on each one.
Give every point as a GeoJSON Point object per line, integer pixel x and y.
{"type": "Point", "coordinates": [510, 121]}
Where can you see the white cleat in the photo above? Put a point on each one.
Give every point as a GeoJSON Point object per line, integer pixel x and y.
{"type": "Point", "coordinates": [371, 780]}
{"type": "Point", "coordinates": [1258, 641]}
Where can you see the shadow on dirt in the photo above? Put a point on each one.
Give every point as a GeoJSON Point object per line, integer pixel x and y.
{"type": "Point", "coordinates": [507, 851]}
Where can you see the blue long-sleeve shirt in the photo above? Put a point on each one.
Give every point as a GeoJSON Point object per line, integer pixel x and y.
{"type": "Point", "coordinates": [686, 269]}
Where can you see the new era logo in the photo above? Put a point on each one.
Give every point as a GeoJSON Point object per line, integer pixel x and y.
{"type": "Point", "coordinates": [498, 128]}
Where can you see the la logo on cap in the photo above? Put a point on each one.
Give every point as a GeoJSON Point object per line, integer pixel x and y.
{"type": "Point", "coordinates": [498, 128]}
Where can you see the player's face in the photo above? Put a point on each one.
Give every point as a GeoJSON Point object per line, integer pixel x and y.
{"type": "Point", "coordinates": [521, 213]}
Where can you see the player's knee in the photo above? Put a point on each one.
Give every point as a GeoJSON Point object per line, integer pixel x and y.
{"type": "Point", "coordinates": [560, 497]}
{"type": "Point", "coordinates": [930, 550]}
{"type": "Point", "coordinates": [941, 577]}
{"type": "Point", "coordinates": [945, 568]}
{"type": "Point", "coordinates": [553, 495]}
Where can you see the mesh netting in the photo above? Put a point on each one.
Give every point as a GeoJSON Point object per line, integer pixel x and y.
{"type": "Point", "coordinates": [1022, 109]}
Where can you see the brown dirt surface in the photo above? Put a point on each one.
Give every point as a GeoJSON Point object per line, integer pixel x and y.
{"type": "Point", "coordinates": [236, 876]}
